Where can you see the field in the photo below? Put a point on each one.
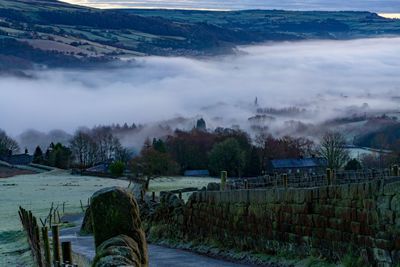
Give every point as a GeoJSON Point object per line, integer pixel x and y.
{"type": "Point", "coordinates": [58, 34]}
{"type": "Point", "coordinates": [36, 192]}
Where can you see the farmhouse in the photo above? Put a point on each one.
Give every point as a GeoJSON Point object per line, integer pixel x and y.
{"type": "Point", "coordinates": [300, 165]}
{"type": "Point", "coordinates": [18, 159]}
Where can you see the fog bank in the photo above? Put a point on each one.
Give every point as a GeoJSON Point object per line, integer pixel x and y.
{"type": "Point", "coordinates": [327, 79]}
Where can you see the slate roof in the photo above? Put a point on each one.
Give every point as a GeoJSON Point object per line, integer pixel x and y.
{"type": "Point", "coordinates": [20, 159]}
{"type": "Point", "coordinates": [298, 163]}
{"type": "Point", "coordinates": [196, 173]}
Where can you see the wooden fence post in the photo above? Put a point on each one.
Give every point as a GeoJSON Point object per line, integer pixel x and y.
{"type": "Point", "coordinates": [329, 176]}
{"type": "Point", "coordinates": [37, 244]}
{"type": "Point", "coordinates": [224, 176]}
{"type": "Point", "coordinates": [66, 253]}
{"type": "Point", "coordinates": [395, 170]}
{"type": "Point", "coordinates": [46, 247]}
{"type": "Point", "coordinates": [180, 195]}
{"type": "Point", "coordinates": [56, 245]}
{"type": "Point", "coordinates": [153, 196]}
{"type": "Point", "coordinates": [285, 180]}
{"type": "Point", "coordinates": [142, 195]}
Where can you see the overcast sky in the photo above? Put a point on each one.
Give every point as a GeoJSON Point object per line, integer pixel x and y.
{"type": "Point", "coordinates": [385, 6]}
{"type": "Point", "coordinates": [323, 76]}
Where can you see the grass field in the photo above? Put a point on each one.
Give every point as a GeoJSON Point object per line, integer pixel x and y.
{"type": "Point", "coordinates": [36, 192]}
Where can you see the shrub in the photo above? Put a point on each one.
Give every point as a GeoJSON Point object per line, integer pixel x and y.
{"type": "Point", "coordinates": [117, 168]}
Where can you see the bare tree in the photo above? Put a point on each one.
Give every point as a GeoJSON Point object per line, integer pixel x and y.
{"type": "Point", "coordinates": [333, 149]}
{"type": "Point", "coordinates": [84, 149]}
{"type": "Point", "coordinates": [7, 144]}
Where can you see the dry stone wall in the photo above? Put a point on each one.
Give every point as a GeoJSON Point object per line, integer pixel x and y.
{"type": "Point", "coordinates": [329, 220]}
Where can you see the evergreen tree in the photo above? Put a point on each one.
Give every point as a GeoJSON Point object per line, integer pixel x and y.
{"type": "Point", "coordinates": [159, 145]}
{"type": "Point", "coordinates": [38, 156]}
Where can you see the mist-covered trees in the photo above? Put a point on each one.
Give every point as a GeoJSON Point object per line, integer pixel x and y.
{"type": "Point", "coordinates": [84, 149]}
{"type": "Point", "coordinates": [97, 145]}
{"type": "Point", "coordinates": [7, 144]}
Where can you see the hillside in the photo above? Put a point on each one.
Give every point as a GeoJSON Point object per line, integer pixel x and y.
{"type": "Point", "coordinates": [56, 34]}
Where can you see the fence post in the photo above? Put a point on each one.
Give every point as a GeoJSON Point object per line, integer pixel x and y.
{"type": "Point", "coordinates": [224, 175]}
{"type": "Point", "coordinates": [56, 245]}
{"type": "Point", "coordinates": [395, 170]}
{"type": "Point", "coordinates": [180, 195]}
{"type": "Point", "coordinates": [246, 184]}
{"type": "Point", "coordinates": [46, 247]}
{"type": "Point", "coordinates": [66, 253]}
{"type": "Point", "coordinates": [329, 176]}
{"type": "Point", "coordinates": [333, 179]}
{"type": "Point", "coordinates": [142, 195]}
{"type": "Point", "coordinates": [37, 243]}
{"type": "Point", "coordinates": [153, 196]}
{"type": "Point", "coordinates": [285, 180]}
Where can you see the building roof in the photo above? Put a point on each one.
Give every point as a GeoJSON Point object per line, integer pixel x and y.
{"type": "Point", "coordinates": [298, 163]}
{"type": "Point", "coordinates": [195, 173]}
{"type": "Point", "coordinates": [20, 159]}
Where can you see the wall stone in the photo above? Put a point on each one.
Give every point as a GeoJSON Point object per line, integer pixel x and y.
{"type": "Point", "coordinates": [330, 220]}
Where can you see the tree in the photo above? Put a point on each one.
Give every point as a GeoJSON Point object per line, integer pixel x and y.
{"type": "Point", "coordinates": [117, 168]}
{"type": "Point", "coordinates": [159, 145]}
{"type": "Point", "coordinates": [38, 156]}
{"type": "Point", "coordinates": [58, 156]}
{"type": "Point", "coordinates": [7, 144]}
{"type": "Point", "coordinates": [84, 149]}
{"type": "Point", "coordinates": [353, 165]}
{"type": "Point", "coordinates": [191, 149]}
{"type": "Point", "coordinates": [152, 163]}
{"type": "Point", "coordinates": [227, 156]}
{"type": "Point", "coordinates": [253, 163]}
{"type": "Point", "coordinates": [332, 148]}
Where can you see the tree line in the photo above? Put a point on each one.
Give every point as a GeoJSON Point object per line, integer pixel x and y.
{"type": "Point", "coordinates": [227, 149]}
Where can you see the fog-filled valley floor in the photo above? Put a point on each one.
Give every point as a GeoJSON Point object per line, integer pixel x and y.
{"type": "Point", "coordinates": [297, 88]}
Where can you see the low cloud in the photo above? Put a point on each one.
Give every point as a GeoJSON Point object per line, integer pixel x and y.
{"type": "Point", "coordinates": [327, 79]}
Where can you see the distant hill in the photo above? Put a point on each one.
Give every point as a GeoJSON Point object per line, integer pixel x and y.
{"type": "Point", "coordinates": [385, 138]}
{"type": "Point", "coordinates": [57, 34]}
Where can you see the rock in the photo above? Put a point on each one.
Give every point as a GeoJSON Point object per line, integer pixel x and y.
{"type": "Point", "coordinates": [115, 212]}
{"type": "Point", "coordinates": [118, 251]}
{"type": "Point", "coordinates": [87, 224]}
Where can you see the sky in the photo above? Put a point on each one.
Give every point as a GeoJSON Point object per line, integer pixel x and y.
{"type": "Point", "coordinates": [328, 78]}
{"type": "Point", "coordinates": [381, 6]}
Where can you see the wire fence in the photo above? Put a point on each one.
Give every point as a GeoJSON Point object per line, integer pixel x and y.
{"type": "Point", "coordinates": [331, 177]}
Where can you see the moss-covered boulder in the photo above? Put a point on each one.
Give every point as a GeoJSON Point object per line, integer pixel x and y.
{"type": "Point", "coordinates": [87, 224]}
{"type": "Point", "coordinates": [115, 212]}
{"type": "Point", "coordinates": [118, 251]}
